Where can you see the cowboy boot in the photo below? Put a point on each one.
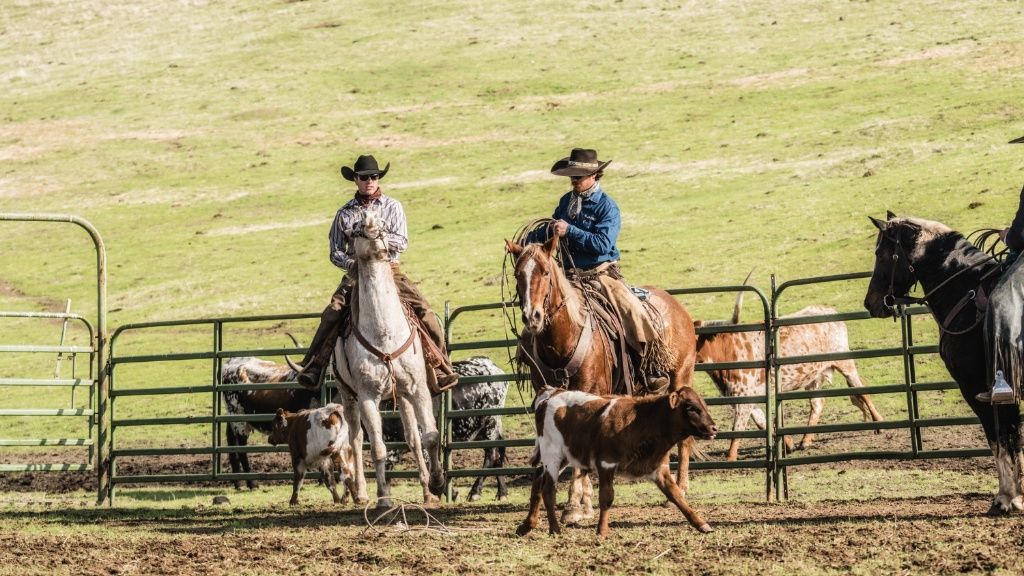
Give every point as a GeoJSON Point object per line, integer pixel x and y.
{"type": "Point", "coordinates": [446, 376]}
{"type": "Point", "coordinates": [657, 382]}
{"type": "Point", "coordinates": [319, 352]}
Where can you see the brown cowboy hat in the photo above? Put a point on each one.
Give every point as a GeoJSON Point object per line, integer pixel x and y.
{"type": "Point", "coordinates": [580, 162]}
{"type": "Point", "coordinates": [364, 166]}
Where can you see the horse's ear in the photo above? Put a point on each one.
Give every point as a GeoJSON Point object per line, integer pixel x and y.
{"type": "Point", "coordinates": [513, 248]}
{"type": "Point", "coordinates": [889, 215]}
{"type": "Point", "coordinates": [878, 223]}
{"type": "Point", "coordinates": [551, 246]}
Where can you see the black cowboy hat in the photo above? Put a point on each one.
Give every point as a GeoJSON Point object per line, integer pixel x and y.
{"type": "Point", "coordinates": [365, 165]}
{"type": "Point", "coordinates": [580, 162]}
{"type": "Point", "coordinates": [1018, 140]}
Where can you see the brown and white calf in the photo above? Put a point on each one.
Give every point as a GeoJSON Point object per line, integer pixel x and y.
{"type": "Point", "coordinates": [612, 435]}
{"type": "Point", "coordinates": [800, 340]}
{"type": "Point", "coordinates": [317, 439]}
{"type": "Point", "coordinates": [250, 370]}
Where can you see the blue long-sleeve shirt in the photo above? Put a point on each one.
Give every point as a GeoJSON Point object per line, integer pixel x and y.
{"type": "Point", "coordinates": [592, 234]}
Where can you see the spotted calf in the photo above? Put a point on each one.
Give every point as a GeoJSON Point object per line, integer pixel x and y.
{"type": "Point", "coordinates": [613, 435]}
{"type": "Point", "coordinates": [249, 370]}
{"type": "Point", "coordinates": [800, 340]}
{"type": "Point", "coordinates": [317, 439]}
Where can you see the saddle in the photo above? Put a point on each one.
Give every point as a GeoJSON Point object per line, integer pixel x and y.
{"type": "Point", "coordinates": [632, 360]}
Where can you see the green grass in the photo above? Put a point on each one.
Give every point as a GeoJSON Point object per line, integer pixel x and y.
{"type": "Point", "coordinates": [203, 140]}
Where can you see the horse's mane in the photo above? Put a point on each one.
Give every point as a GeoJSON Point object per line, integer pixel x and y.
{"type": "Point", "coordinates": [572, 298]}
{"type": "Point", "coordinates": [953, 243]}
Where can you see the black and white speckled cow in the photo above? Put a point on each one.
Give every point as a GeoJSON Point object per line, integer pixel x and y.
{"type": "Point", "coordinates": [468, 397]}
{"type": "Point", "coordinates": [248, 370]}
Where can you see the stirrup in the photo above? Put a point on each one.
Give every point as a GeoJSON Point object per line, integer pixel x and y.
{"type": "Point", "coordinates": [1001, 393]}
{"type": "Point", "coordinates": [442, 382]}
{"type": "Point", "coordinates": [310, 377]}
{"type": "Point", "coordinates": [656, 383]}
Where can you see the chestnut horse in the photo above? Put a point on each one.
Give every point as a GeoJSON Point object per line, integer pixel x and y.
{"type": "Point", "coordinates": [557, 326]}
{"type": "Point", "coordinates": [955, 276]}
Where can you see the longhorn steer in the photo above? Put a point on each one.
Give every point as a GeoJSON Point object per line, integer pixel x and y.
{"type": "Point", "coordinates": [610, 435]}
{"type": "Point", "coordinates": [799, 340]}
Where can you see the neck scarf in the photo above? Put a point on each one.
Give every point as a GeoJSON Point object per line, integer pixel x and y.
{"type": "Point", "coordinates": [367, 200]}
{"type": "Point", "coordinates": [576, 202]}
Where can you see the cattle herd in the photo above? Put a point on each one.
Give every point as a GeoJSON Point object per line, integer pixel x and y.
{"type": "Point", "coordinates": [607, 435]}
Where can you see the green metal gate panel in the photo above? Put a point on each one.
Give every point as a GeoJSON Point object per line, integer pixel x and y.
{"type": "Point", "coordinates": [93, 416]}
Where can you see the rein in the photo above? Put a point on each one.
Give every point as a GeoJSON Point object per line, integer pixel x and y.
{"type": "Point", "coordinates": [387, 358]}
{"type": "Point", "coordinates": [891, 301]}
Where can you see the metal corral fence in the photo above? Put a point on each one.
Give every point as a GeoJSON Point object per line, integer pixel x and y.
{"type": "Point", "coordinates": [87, 399]}
{"type": "Point", "coordinates": [203, 341]}
{"type": "Point", "coordinates": [909, 387]}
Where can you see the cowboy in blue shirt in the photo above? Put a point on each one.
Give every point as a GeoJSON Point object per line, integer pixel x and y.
{"type": "Point", "coordinates": [587, 221]}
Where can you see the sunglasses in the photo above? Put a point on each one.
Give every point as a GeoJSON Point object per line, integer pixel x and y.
{"type": "Point", "coordinates": [368, 177]}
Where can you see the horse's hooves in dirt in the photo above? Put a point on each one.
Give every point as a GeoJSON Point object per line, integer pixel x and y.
{"type": "Point", "coordinates": [998, 509]}
{"type": "Point", "coordinates": [705, 528]}
{"type": "Point", "coordinates": [572, 517]}
{"type": "Point", "coordinates": [474, 497]}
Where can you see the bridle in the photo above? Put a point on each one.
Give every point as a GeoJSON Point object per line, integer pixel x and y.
{"type": "Point", "coordinates": [583, 343]}
{"type": "Point", "coordinates": [891, 301]}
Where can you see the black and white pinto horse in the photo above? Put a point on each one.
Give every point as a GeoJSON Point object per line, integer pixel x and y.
{"type": "Point", "coordinates": [956, 278]}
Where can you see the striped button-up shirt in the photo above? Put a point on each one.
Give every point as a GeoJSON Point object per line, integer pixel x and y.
{"type": "Point", "coordinates": [396, 231]}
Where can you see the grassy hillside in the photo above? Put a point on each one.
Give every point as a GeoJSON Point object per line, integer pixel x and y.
{"type": "Point", "coordinates": [203, 140]}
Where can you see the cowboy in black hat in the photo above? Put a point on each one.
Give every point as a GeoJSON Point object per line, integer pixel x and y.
{"type": "Point", "coordinates": [588, 222]}
{"type": "Point", "coordinates": [1003, 315]}
{"type": "Point", "coordinates": [367, 176]}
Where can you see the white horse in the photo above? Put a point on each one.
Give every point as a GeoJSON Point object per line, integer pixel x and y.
{"type": "Point", "coordinates": [384, 357]}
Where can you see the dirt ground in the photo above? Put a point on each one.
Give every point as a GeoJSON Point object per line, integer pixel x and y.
{"type": "Point", "coordinates": [831, 534]}
{"type": "Point", "coordinates": [943, 535]}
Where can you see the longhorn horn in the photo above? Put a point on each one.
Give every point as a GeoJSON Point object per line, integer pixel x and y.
{"type": "Point", "coordinates": [739, 300]}
{"type": "Point", "coordinates": [291, 363]}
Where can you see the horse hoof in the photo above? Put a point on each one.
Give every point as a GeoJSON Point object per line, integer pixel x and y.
{"type": "Point", "coordinates": [384, 504]}
{"type": "Point", "coordinates": [705, 528]}
{"type": "Point", "coordinates": [431, 501]}
{"type": "Point", "coordinates": [998, 509]}
{"type": "Point", "coordinates": [502, 497]}
{"type": "Point", "coordinates": [474, 497]}
{"type": "Point", "coordinates": [524, 529]}
{"type": "Point", "coordinates": [361, 501]}
{"type": "Point", "coordinates": [572, 517]}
